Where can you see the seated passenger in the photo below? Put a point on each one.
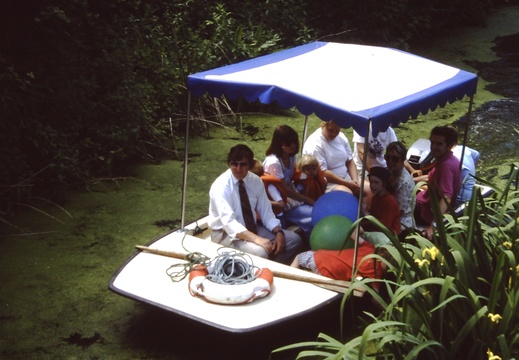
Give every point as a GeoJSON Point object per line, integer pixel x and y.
{"type": "Point", "coordinates": [468, 171]}
{"type": "Point", "coordinates": [401, 181]}
{"type": "Point", "coordinates": [384, 206]}
{"type": "Point", "coordinates": [338, 264]}
{"type": "Point", "coordinates": [444, 179]}
{"type": "Point", "coordinates": [234, 198]}
{"type": "Point", "coordinates": [376, 147]}
{"type": "Point", "coordinates": [333, 152]}
{"type": "Point", "coordinates": [273, 187]}
{"type": "Point", "coordinates": [310, 177]}
{"type": "Point", "coordinates": [280, 162]}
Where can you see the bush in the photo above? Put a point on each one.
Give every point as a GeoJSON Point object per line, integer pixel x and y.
{"type": "Point", "coordinates": [89, 85]}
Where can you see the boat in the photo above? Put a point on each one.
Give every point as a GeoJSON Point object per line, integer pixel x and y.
{"type": "Point", "coordinates": [356, 86]}
{"type": "Point", "coordinates": [143, 278]}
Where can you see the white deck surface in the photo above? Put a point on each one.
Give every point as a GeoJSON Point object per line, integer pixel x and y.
{"type": "Point", "coordinates": [143, 278]}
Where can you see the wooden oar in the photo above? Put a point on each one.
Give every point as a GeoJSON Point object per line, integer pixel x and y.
{"type": "Point", "coordinates": [334, 285]}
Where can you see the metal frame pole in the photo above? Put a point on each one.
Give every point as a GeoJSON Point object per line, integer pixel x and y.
{"type": "Point", "coordinates": [186, 160]}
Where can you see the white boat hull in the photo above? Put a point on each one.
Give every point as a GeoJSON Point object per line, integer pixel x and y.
{"type": "Point", "coordinates": [143, 278]}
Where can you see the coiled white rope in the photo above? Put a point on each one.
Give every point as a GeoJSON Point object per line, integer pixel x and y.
{"type": "Point", "coordinates": [232, 268]}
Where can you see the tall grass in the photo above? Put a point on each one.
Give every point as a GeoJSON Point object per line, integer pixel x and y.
{"type": "Point", "coordinates": [455, 297]}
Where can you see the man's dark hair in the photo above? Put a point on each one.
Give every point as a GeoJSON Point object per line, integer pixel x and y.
{"type": "Point", "coordinates": [239, 152]}
{"type": "Point", "coordinates": [448, 132]}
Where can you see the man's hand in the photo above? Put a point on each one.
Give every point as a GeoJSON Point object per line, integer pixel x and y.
{"type": "Point", "coordinates": [416, 173]}
{"type": "Point", "coordinates": [279, 243]}
{"type": "Point", "coordinates": [247, 235]}
{"type": "Point", "coordinates": [265, 244]}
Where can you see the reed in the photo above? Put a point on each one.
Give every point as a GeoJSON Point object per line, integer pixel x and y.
{"type": "Point", "coordinates": [456, 297]}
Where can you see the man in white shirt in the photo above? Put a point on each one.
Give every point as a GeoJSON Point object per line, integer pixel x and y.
{"type": "Point", "coordinates": [226, 218]}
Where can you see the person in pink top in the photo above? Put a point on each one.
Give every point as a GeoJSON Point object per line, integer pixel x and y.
{"type": "Point", "coordinates": [444, 179]}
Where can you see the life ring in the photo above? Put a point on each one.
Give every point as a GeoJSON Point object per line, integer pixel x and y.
{"type": "Point", "coordinates": [212, 292]}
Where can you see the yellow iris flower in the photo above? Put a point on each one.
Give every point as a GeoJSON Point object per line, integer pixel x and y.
{"type": "Point", "coordinates": [491, 355]}
{"type": "Point", "coordinates": [494, 317]}
{"type": "Point", "coordinates": [433, 252]}
{"type": "Point", "coordinates": [422, 262]}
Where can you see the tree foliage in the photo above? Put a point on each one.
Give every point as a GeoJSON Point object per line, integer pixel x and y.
{"type": "Point", "coordinates": [89, 85]}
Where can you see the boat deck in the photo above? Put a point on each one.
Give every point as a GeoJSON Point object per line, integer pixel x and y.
{"type": "Point", "coordinates": [143, 278]}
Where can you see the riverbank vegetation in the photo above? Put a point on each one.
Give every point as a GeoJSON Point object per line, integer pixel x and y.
{"type": "Point", "coordinates": [456, 297]}
{"type": "Point", "coordinates": [90, 86]}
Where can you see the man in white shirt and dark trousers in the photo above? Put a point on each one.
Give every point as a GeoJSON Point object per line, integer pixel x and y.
{"type": "Point", "coordinates": [234, 225]}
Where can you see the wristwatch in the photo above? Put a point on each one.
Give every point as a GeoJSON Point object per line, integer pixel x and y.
{"type": "Point", "coordinates": [280, 231]}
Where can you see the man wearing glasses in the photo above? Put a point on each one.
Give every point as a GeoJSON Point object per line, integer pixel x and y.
{"type": "Point", "coordinates": [237, 200]}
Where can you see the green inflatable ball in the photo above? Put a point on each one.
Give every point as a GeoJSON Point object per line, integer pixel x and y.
{"type": "Point", "coordinates": [330, 233]}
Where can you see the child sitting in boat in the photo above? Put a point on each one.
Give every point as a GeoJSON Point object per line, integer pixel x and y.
{"type": "Point", "coordinates": [273, 187]}
{"type": "Point", "coordinates": [309, 178]}
{"type": "Point", "coordinates": [338, 264]}
{"type": "Point", "coordinates": [384, 206]}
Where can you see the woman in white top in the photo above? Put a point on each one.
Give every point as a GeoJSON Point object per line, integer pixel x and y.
{"type": "Point", "coordinates": [281, 162]}
{"type": "Point", "coordinates": [333, 151]}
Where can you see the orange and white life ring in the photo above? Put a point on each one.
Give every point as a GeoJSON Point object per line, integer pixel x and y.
{"type": "Point", "coordinates": [216, 293]}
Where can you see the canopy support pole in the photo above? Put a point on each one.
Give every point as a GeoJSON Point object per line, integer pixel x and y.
{"type": "Point", "coordinates": [361, 195]}
{"type": "Point", "coordinates": [186, 159]}
{"type": "Point", "coordinates": [465, 135]}
{"type": "Point", "coordinates": [305, 131]}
